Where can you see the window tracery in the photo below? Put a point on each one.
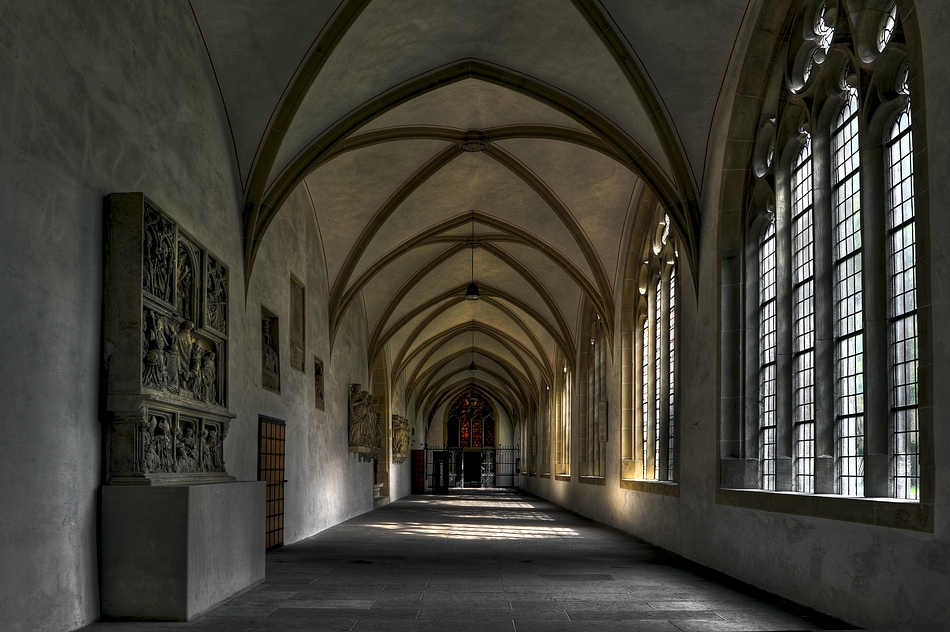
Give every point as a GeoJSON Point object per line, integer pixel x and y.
{"type": "Point", "coordinates": [563, 420]}
{"type": "Point", "coordinates": [829, 259]}
{"type": "Point", "coordinates": [650, 445]}
{"type": "Point", "coordinates": [471, 421]}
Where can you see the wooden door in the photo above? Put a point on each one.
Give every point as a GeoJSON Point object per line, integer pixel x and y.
{"type": "Point", "coordinates": [271, 471]}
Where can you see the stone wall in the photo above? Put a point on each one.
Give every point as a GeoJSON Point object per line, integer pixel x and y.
{"type": "Point", "coordinates": [93, 102]}
{"type": "Point", "coordinates": [96, 102]}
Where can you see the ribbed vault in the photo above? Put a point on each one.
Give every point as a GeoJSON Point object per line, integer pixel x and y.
{"type": "Point", "coordinates": [439, 141]}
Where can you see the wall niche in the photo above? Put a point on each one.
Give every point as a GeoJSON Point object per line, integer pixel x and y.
{"type": "Point", "coordinates": [166, 345]}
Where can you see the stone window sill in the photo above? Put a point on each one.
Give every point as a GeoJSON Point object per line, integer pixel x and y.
{"type": "Point", "coordinates": [593, 480]}
{"type": "Point", "coordinates": [563, 478]}
{"type": "Point", "coordinates": [882, 512]}
{"type": "Point", "coordinates": [664, 488]}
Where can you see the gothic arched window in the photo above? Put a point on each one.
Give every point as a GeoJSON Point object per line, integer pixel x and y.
{"type": "Point", "coordinates": [471, 422]}
{"type": "Point", "coordinates": [833, 347]}
{"type": "Point", "coordinates": [649, 442]}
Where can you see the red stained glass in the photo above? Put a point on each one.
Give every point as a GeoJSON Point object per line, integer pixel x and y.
{"type": "Point", "coordinates": [475, 420]}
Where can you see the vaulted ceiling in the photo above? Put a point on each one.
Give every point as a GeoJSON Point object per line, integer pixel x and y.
{"type": "Point", "coordinates": [515, 137]}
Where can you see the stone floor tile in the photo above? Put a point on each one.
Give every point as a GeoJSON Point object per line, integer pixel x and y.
{"type": "Point", "coordinates": [595, 626]}
{"type": "Point", "coordinates": [500, 625]}
{"type": "Point", "coordinates": [483, 561]}
{"type": "Point", "coordinates": [347, 604]}
{"type": "Point", "coordinates": [693, 625]}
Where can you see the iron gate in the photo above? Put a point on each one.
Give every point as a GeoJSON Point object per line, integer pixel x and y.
{"type": "Point", "coordinates": [475, 467]}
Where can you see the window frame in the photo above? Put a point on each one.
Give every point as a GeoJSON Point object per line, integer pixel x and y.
{"type": "Point", "coordinates": [807, 106]}
{"type": "Point", "coordinates": [651, 426]}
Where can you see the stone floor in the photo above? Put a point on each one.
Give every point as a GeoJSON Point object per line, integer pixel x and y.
{"type": "Point", "coordinates": [486, 561]}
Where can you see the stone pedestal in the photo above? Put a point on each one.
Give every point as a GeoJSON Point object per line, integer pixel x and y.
{"type": "Point", "coordinates": [173, 552]}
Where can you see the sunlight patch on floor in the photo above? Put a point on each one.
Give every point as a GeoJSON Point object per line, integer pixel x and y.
{"type": "Point", "coordinates": [477, 531]}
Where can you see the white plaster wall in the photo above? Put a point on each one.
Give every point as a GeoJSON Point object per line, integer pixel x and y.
{"type": "Point", "coordinates": [96, 102]}
{"type": "Point", "coordinates": [326, 483]}
{"type": "Point", "coordinates": [92, 102]}
{"type": "Point", "coordinates": [870, 576]}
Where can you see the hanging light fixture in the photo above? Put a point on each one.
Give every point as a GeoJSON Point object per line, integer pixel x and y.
{"type": "Point", "coordinates": [472, 293]}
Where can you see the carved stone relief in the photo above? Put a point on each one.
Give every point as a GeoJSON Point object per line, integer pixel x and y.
{"type": "Point", "coordinates": [170, 443]}
{"type": "Point", "coordinates": [270, 351]}
{"type": "Point", "coordinates": [186, 283]}
{"type": "Point", "coordinates": [180, 361]}
{"type": "Point", "coordinates": [401, 438]}
{"type": "Point", "coordinates": [158, 252]}
{"type": "Point", "coordinates": [217, 295]}
{"type": "Point", "coordinates": [318, 383]}
{"type": "Point", "coordinates": [167, 366]}
{"type": "Point", "coordinates": [297, 324]}
{"type": "Point", "coordinates": [366, 429]}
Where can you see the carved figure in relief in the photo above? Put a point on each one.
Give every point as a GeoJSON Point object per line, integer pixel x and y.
{"type": "Point", "coordinates": [195, 372]}
{"type": "Point", "coordinates": [318, 384]}
{"type": "Point", "coordinates": [217, 458]}
{"type": "Point", "coordinates": [359, 416]}
{"type": "Point", "coordinates": [206, 451]}
{"type": "Point", "coordinates": [150, 457]}
{"type": "Point", "coordinates": [179, 451]}
{"type": "Point", "coordinates": [186, 451]}
{"type": "Point", "coordinates": [185, 283]}
{"type": "Point", "coordinates": [365, 422]}
{"type": "Point", "coordinates": [166, 456]}
{"type": "Point", "coordinates": [171, 357]}
{"type": "Point", "coordinates": [208, 389]}
{"type": "Point", "coordinates": [400, 438]}
{"type": "Point", "coordinates": [271, 362]}
{"type": "Point", "coordinates": [157, 254]}
{"type": "Point", "coordinates": [217, 296]}
{"type": "Point", "coordinates": [154, 372]}
{"type": "Point", "coordinates": [184, 344]}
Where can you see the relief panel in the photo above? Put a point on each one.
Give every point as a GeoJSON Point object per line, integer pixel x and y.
{"type": "Point", "coordinates": [166, 349]}
{"type": "Point", "coordinates": [158, 252]}
{"type": "Point", "coordinates": [217, 295]}
{"type": "Point", "coordinates": [297, 324]}
{"type": "Point", "coordinates": [401, 438]}
{"type": "Point", "coordinates": [318, 383]}
{"type": "Point", "coordinates": [270, 351]}
{"type": "Point", "coordinates": [366, 428]}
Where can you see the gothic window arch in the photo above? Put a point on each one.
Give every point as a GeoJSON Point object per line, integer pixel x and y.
{"type": "Point", "coordinates": [470, 421]}
{"type": "Point", "coordinates": [832, 345]}
{"type": "Point", "coordinates": [593, 416]}
{"type": "Point", "coordinates": [545, 421]}
{"type": "Point", "coordinates": [562, 417]}
{"type": "Point", "coordinates": [650, 437]}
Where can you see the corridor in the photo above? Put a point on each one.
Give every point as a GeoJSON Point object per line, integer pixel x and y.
{"type": "Point", "coordinates": [485, 561]}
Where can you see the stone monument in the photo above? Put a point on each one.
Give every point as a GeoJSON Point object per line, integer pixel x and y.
{"type": "Point", "coordinates": [401, 438]}
{"type": "Point", "coordinates": [167, 541]}
{"type": "Point", "coordinates": [366, 430]}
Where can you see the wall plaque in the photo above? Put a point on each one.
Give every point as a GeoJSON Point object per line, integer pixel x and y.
{"type": "Point", "coordinates": [297, 324]}
{"type": "Point", "coordinates": [366, 428]}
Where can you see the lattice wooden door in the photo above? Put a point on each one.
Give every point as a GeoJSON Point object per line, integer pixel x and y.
{"type": "Point", "coordinates": [271, 471]}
